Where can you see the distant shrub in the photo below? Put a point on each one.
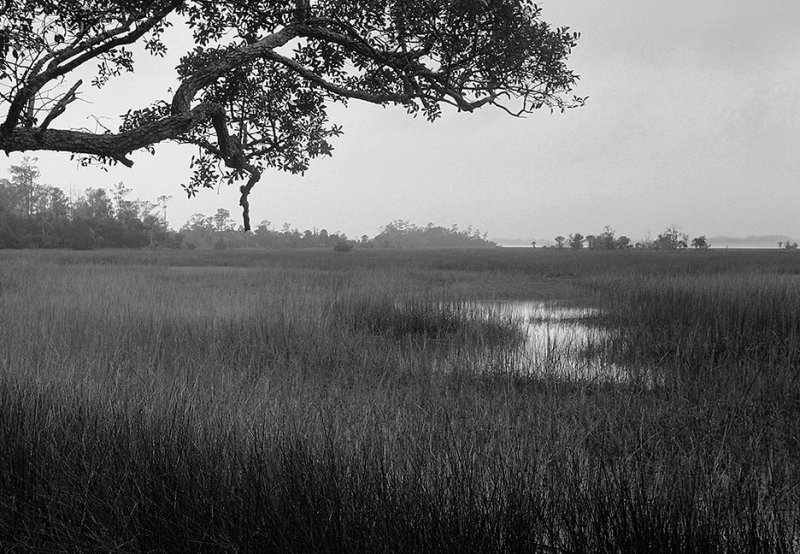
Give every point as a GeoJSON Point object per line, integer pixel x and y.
{"type": "Point", "coordinates": [221, 244]}
{"type": "Point", "coordinates": [174, 240]}
{"type": "Point", "coordinates": [343, 246]}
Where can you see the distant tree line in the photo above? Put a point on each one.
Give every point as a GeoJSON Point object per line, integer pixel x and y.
{"type": "Point", "coordinates": [670, 239]}
{"type": "Point", "coordinates": [220, 231]}
{"type": "Point", "coordinates": [33, 215]}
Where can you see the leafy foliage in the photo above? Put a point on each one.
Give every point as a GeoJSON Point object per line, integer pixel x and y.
{"type": "Point", "coordinates": [700, 243]}
{"type": "Point", "coordinates": [671, 239]}
{"type": "Point", "coordinates": [576, 241]}
{"type": "Point", "coordinates": [607, 240]}
{"type": "Point", "coordinates": [256, 86]}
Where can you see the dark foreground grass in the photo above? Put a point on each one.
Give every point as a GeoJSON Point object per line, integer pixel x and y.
{"type": "Point", "coordinates": [298, 402]}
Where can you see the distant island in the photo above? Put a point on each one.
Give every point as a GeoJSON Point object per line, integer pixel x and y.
{"type": "Point", "coordinates": [760, 241]}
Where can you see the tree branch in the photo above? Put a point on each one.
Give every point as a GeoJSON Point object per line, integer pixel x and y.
{"type": "Point", "coordinates": [375, 98]}
{"type": "Point", "coordinates": [255, 176]}
{"type": "Point", "coordinates": [112, 145]}
{"type": "Point", "coordinates": [85, 51]}
{"type": "Point", "coordinates": [406, 64]}
{"type": "Point", "coordinates": [182, 99]}
{"type": "Point", "coordinates": [61, 105]}
{"type": "Point", "coordinates": [334, 59]}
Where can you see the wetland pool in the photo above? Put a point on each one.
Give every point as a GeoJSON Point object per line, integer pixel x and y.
{"type": "Point", "coordinates": [561, 341]}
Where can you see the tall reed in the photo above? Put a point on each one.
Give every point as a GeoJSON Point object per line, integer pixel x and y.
{"type": "Point", "coordinates": [316, 403]}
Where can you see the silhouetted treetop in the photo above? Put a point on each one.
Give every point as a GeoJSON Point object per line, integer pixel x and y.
{"type": "Point", "coordinates": [255, 87]}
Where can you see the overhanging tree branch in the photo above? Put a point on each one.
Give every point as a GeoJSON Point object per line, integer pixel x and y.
{"type": "Point", "coordinates": [422, 54]}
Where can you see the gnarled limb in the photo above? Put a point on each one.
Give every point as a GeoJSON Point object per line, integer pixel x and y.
{"type": "Point", "coordinates": [108, 145]}
{"type": "Point", "coordinates": [255, 176]}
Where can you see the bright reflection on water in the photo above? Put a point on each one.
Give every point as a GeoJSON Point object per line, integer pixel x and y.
{"type": "Point", "coordinates": [560, 341]}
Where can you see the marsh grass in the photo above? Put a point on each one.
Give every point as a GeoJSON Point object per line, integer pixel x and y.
{"type": "Point", "coordinates": [303, 402]}
{"type": "Point", "coordinates": [423, 320]}
{"type": "Point", "coordinates": [701, 325]}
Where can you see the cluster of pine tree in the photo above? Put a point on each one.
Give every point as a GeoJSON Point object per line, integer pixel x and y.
{"type": "Point", "coordinates": [33, 215]}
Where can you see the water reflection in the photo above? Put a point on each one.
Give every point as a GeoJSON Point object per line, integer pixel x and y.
{"type": "Point", "coordinates": [560, 341]}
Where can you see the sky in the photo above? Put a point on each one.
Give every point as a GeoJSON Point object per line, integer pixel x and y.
{"type": "Point", "coordinates": [693, 120]}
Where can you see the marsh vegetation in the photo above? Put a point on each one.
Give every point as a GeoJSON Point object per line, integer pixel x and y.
{"type": "Point", "coordinates": [392, 401]}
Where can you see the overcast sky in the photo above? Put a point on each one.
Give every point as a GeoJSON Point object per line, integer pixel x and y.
{"type": "Point", "coordinates": [693, 119]}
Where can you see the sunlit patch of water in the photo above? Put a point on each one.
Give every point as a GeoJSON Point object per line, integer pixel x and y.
{"type": "Point", "coordinates": [560, 341]}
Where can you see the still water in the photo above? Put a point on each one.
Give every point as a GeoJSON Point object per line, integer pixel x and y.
{"type": "Point", "coordinates": [560, 341]}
